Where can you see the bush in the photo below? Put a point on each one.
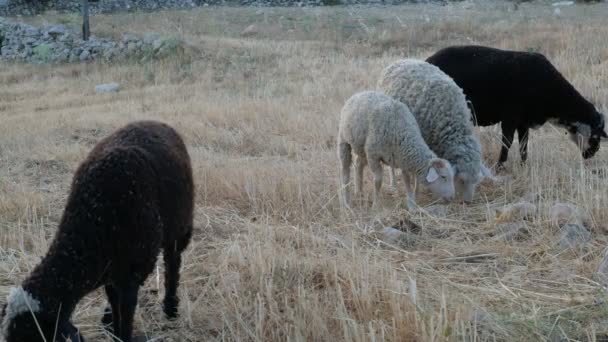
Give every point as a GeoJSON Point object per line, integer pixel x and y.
{"type": "Point", "coordinates": [43, 52]}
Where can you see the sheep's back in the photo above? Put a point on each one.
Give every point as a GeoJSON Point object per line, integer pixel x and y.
{"type": "Point", "coordinates": [167, 155]}
{"type": "Point", "coordinates": [375, 119]}
{"type": "Point", "coordinates": [132, 193]}
{"type": "Point", "coordinates": [437, 103]}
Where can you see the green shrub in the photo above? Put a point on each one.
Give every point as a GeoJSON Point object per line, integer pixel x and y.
{"type": "Point", "coordinates": [43, 52]}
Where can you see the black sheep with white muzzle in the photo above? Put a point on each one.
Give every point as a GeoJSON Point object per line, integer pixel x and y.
{"type": "Point", "coordinates": [520, 90]}
{"type": "Point", "coordinates": [132, 196]}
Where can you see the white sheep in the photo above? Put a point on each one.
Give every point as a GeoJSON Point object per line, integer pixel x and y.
{"type": "Point", "coordinates": [441, 110]}
{"type": "Point", "coordinates": [380, 130]}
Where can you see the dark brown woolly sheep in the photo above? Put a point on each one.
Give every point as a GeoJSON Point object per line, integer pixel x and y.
{"type": "Point", "coordinates": [132, 196]}
{"type": "Point", "coordinates": [520, 90]}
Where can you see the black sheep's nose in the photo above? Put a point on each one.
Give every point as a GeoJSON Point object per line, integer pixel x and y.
{"type": "Point", "coordinates": [594, 146]}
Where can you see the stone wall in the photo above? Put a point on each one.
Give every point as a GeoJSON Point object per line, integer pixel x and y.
{"type": "Point", "coordinates": [27, 7]}
{"type": "Point", "coordinates": [31, 7]}
{"type": "Point", "coordinates": [58, 44]}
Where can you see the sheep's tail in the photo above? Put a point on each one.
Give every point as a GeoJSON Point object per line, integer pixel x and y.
{"type": "Point", "coordinates": [346, 159]}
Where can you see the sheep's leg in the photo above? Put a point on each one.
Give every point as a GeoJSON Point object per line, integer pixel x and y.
{"type": "Point", "coordinates": [507, 139]}
{"type": "Point", "coordinates": [127, 302]}
{"type": "Point", "coordinates": [111, 309]}
{"type": "Point", "coordinates": [411, 195]}
{"type": "Point", "coordinates": [360, 164]}
{"type": "Point", "coordinates": [522, 135]}
{"type": "Point", "coordinates": [173, 261]}
{"type": "Point", "coordinates": [346, 159]}
{"type": "Point", "coordinates": [172, 254]}
{"type": "Point", "coordinates": [376, 168]}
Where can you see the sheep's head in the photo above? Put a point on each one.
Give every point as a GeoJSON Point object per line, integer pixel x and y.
{"type": "Point", "coordinates": [440, 179]}
{"type": "Point", "coordinates": [466, 179]}
{"type": "Point", "coordinates": [23, 320]}
{"type": "Point", "coordinates": [588, 138]}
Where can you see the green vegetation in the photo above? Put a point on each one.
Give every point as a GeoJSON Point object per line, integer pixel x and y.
{"type": "Point", "coordinates": [43, 52]}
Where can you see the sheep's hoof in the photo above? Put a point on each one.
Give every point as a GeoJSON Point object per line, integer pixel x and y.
{"type": "Point", "coordinates": [499, 168]}
{"type": "Point", "coordinates": [170, 309]}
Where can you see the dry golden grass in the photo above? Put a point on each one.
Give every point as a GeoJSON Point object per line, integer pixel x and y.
{"type": "Point", "coordinates": [273, 258]}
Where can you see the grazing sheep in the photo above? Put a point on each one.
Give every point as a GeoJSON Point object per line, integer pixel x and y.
{"type": "Point", "coordinates": [132, 196]}
{"type": "Point", "coordinates": [441, 111]}
{"type": "Point", "coordinates": [381, 130]}
{"type": "Point", "coordinates": [520, 90]}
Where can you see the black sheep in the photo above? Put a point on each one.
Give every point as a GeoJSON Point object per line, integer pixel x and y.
{"type": "Point", "coordinates": [132, 196]}
{"type": "Point", "coordinates": [520, 90]}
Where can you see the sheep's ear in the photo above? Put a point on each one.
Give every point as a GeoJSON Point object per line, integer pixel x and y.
{"type": "Point", "coordinates": [432, 175]}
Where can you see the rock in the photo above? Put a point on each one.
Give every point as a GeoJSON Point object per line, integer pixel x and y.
{"type": "Point", "coordinates": [31, 31]}
{"type": "Point", "coordinates": [404, 233]}
{"type": "Point", "coordinates": [516, 212]}
{"type": "Point", "coordinates": [73, 57]}
{"type": "Point", "coordinates": [61, 56]}
{"type": "Point", "coordinates": [392, 236]}
{"type": "Point", "coordinates": [84, 55]}
{"type": "Point", "coordinates": [131, 47]}
{"type": "Point", "coordinates": [66, 38]}
{"type": "Point", "coordinates": [563, 213]}
{"type": "Point", "coordinates": [56, 31]}
{"type": "Point", "coordinates": [109, 53]}
{"type": "Point", "coordinates": [127, 37]}
{"type": "Point", "coordinates": [573, 236]}
{"type": "Point", "coordinates": [250, 31]}
{"type": "Point", "coordinates": [157, 44]}
{"type": "Point", "coordinates": [107, 88]}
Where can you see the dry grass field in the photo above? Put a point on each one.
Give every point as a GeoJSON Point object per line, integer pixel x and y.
{"type": "Point", "coordinates": [273, 258]}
